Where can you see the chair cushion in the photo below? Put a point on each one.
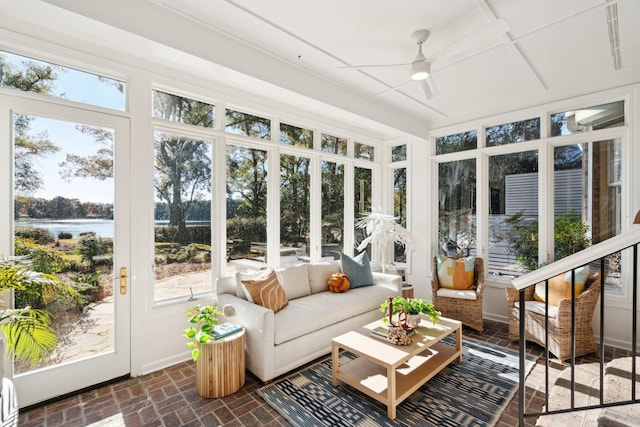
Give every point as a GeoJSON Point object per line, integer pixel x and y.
{"type": "Point", "coordinates": [538, 308]}
{"type": "Point", "coordinates": [469, 294]}
{"type": "Point", "coordinates": [295, 281]}
{"type": "Point", "coordinates": [560, 286]}
{"type": "Point", "coordinates": [266, 291]}
{"type": "Point", "coordinates": [456, 273]}
{"type": "Point", "coordinates": [358, 270]}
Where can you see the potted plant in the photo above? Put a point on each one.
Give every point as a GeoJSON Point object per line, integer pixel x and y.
{"type": "Point", "coordinates": [383, 230]}
{"type": "Point", "coordinates": [28, 335]}
{"type": "Point", "coordinates": [413, 308]}
{"type": "Point", "coordinates": [203, 319]}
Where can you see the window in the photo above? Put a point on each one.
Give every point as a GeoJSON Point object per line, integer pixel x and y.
{"type": "Point", "coordinates": [364, 151]}
{"type": "Point", "coordinates": [240, 123]}
{"type": "Point", "coordinates": [182, 198]}
{"type": "Point", "coordinates": [400, 208]}
{"type": "Point", "coordinates": [32, 75]}
{"type": "Point", "coordinates": [399, 153]}
{"type": "Point", "coordinates": [299, 137]}
{"type": "Point", "coordinates": [588, 190]}
{"type": "Point", "coordinates": [510, 133]}
{"type": "Point", "coordinates": [333, 144]}
{"type": "Point", "coordinates": [332, 209]}
{"type": "Point", "coordinates": [513, 214]}
{"type": "Point", "coordinates": [588, 119]}
{"type": "Point", "coordinates": [363, 183]}
{"type": "Point", "coordinates": [182, 110]}
{"type": "Point", "coordinates": [295, 207]}
{"type": "Point", "coordinates": [182, 217]}
{"type": "Point", "coordinates": [246, 208]}
{"type": "Point", "coordinates": [458, 142]}
{"type": "Point", "coordinates": [457, 207]}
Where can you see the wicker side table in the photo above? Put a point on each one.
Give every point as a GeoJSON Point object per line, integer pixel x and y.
{"type": "Point", "coordinates": [220, 367]}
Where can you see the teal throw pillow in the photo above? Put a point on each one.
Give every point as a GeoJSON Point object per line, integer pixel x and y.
{"type": "Point", "coordinates": [358, 270]}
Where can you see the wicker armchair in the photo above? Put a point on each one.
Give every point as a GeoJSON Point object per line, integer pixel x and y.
{"type": "Point", "coordinates": [468, 311]}
{"type": "Point", "coordinates": [560, 324]}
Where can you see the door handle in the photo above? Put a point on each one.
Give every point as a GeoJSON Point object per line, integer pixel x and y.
{"type": "Point", "coordinates": [123, 280]}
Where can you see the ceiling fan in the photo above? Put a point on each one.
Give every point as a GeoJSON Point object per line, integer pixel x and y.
{"type": "Point", "coordinates": [420, 67]}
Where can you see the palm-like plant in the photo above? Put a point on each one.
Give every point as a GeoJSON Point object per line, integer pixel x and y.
{"type": "Point", "coordinates": [29, 336]}
{"type": "Point", "coordinates": [383, 230]}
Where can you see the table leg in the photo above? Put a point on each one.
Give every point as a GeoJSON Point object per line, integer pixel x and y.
{"type": "Point", "coordinates": [391, 392]}
{"type": "Point", "coordinates": [459, 343]}
{"type": "Point", "coordinates": [335, 353]}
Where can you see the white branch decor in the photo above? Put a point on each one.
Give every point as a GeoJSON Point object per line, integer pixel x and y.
{"type": "Point", "coordinates": [384, 231]}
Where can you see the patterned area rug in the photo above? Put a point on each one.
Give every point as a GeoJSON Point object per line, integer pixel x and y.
{"type": "Point", "coordinates": [472, 393]}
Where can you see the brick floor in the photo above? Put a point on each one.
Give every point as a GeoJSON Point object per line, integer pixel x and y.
{"type": "Point", "coordinates": [168, 398]}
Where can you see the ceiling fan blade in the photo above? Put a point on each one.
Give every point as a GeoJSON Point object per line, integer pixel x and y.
{"type": "Point", "coordinates": [391, 89]}
{"type": "Point", "coordinates": [375, 65]}
{"type": "Point", "coordinates": [483, 35]}
{"type": "Point", "coordinates": [429, 87]}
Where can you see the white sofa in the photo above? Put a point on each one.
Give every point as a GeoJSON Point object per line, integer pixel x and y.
{"type": "Point", "coordinates": [302, 331]}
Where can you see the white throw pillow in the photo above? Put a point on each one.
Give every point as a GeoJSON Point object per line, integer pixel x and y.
{"type": "Point", "coordinates": [295, 281]}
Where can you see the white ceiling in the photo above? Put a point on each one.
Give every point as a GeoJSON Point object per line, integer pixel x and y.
{"type": "Point", "coordinates": [552, 50]}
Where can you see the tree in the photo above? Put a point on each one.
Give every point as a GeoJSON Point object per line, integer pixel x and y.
{"type": "Point", "coordinates": [182, 164]}
{"type": "Point", "coordinates": [30, 77]}
{"type": "Point", "coordinates": [98, 166]}
{"type": "Point", "coordinates": [247, 180]}
{"type": "Point", "coordinates": [295, 185]}
{"type": "Point", "coordinates": [183, 173]}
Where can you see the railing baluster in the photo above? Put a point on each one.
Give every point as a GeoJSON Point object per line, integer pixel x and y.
{"type": "Point", "coordinates": [634, 341]}
{"type": "Point", "coordinates": [634, 324]}
{"type": "Point", "coordinates": [602, 331]}
{"type": "Point", "coordinates": [522, 344]}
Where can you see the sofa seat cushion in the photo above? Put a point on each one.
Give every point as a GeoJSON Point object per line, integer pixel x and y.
{"type": "Point", "coordinates": [457, 293]}
{"type": "Point", "coordinates": [537, 307]}
{"type": "Point", "coordinates": [317, 311]}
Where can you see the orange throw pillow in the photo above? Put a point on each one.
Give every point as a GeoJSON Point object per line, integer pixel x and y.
{"type": "Point", "coordinates": [266, 291]}
{"type": "Point", "coordinates": [339, 282]}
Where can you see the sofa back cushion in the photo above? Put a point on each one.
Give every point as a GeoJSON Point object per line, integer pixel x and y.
{"type": "Point", "coordinates": [295, 281]}
{"type": "Point", "coordinates": [319, 275]}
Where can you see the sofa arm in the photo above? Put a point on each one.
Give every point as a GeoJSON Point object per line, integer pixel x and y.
{"type": "Point", "coordinates": [391, 281]}
{"type": "Point", "coordinates": [260, 336]}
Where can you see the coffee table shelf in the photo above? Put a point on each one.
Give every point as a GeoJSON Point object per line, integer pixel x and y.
{"type": "Point", "coordinates": [390, 373]}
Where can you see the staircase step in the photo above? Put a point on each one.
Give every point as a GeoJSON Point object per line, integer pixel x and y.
{"type": "Point", "coordinates": [617, 387]}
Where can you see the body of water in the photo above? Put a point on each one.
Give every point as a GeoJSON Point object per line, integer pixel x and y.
{"type": "Point", "coordinates": [102, 227]}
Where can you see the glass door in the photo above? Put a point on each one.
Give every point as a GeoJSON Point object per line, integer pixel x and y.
{"type": "Point", "coordinates": [71, 215]}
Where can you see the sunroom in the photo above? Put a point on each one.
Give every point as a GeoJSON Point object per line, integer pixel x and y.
{"type": "Point", "coordinates": [152, 147]}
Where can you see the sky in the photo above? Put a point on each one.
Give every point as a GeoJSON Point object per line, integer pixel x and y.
{"type": "Point", "coordinates": [70, 140]}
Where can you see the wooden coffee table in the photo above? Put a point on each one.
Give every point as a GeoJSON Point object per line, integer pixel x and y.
{"type": "Point", "coordinates": [390, 373]}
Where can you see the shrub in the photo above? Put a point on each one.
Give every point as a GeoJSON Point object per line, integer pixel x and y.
{"type": "Point", "coordinates": [38, 235]}
{"type": "Point", "coordinates": [90, 246]}
{"type": "Point", "coordinates": [43, 259]}
{"type": "Point", "coordinates": [64, 235]}
{"type": "Point", "coordinates": [569, 234]}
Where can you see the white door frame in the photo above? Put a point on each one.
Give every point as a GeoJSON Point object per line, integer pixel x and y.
{"type": "Point", "coordinates": [42, 384]}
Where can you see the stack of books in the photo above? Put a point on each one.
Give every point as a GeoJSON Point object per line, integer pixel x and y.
{"type": "Point", "coordinates": [225, 329]}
